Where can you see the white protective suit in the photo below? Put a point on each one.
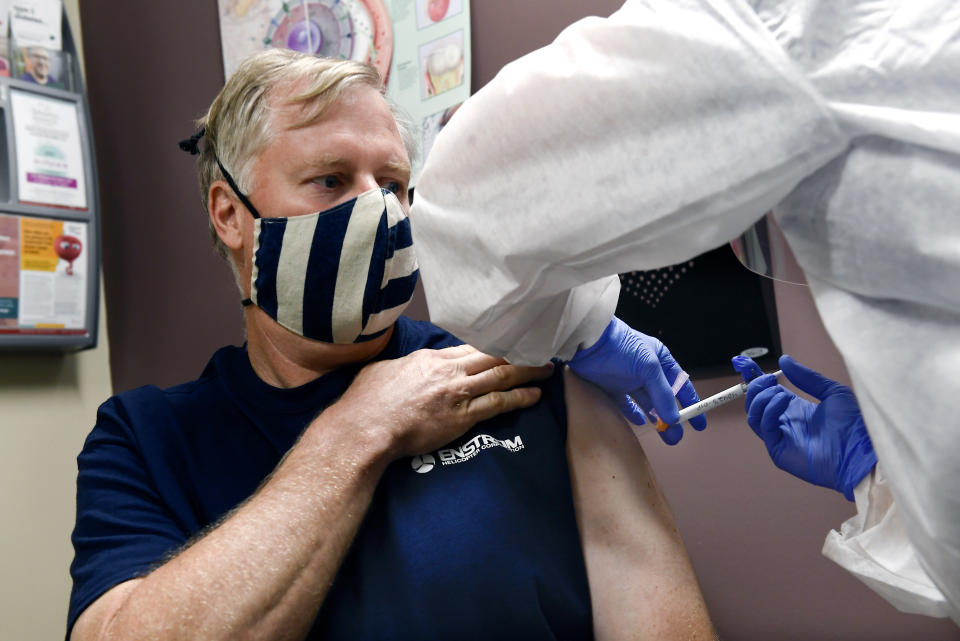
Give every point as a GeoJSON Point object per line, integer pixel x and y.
{"type": "Point", "coordinates": [644, 139]}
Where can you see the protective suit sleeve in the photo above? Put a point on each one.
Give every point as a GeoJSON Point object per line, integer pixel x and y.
{"type": "Point", "coordinates": [631, 142]}
{"type": "Point", "coordinates": [567, 320]}
{"type": "Point", "coordinates": [875, 548]}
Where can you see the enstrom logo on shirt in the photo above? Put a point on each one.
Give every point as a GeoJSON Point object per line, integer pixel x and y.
{"type": "Point", "coordinates": [423, 464]}
{"type": "Point", "coordinates": [453, 455]}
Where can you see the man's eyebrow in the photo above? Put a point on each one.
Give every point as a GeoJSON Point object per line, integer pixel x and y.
{"type": "Point", "coordinates": [337, 162]}
{"type": "Point", "coordinates": [402, 168]}
{"type": "Point", "coordinates": [327, 162]}
{"type": "Point", "coordinates": [324, 163]}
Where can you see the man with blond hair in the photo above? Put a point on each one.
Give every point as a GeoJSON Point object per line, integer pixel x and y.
{"type": "Point", "coordinates": [350, 473]}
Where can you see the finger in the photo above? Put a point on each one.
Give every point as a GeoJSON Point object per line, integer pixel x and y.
{"type": "Point", "coordinates": [699, 422]}
{"type": "Point", "coordinates": [475, 362]}
{"type": "Point", "coordinates": [457, 351]}
{"type": "Point", "coordinates": [770, 423]}
{"type": "Point", "coordinates": [813, 383]}
{"type": "Point", "coordinates": [748, 369]}
{"type": "Point", "coordinates": [661, 392]}
{"type": "Point", "coordinates": [642, 399]}
{"type": "Point", "coordinates": [504, 376]}
{"type": "Point", "coordinates": [687, 395]}
{"type": "Point", "coordinates": [757, 385]}
{"type": "Point", "coordinates": [489, 405]}
{"type": "Point", "coordinates": [630, 410]}
{"type": "Point", "coordinates": [471, 359]}
{"type": "Point", "coordinates": [757, 405]}
{"type": "Point", "coordinates": [672, 435]}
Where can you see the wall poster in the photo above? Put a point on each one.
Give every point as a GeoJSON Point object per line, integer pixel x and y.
{"type": "Point", "coordinates": [50, 168]}
{"type": "Point", "coordinates": [420, 47]}
{"type": "Point", "coordinates": [43, 275]}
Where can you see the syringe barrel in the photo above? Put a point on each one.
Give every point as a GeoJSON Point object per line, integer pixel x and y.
{"type": "Point", "coordinates": [716, 400]}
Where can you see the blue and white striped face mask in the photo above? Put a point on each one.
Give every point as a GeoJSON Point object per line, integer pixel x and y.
{"type": "Point", "coordinates": [343, 275]}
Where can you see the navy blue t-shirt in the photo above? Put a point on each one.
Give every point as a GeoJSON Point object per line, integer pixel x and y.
{"type": "Point", "coordinates": [477, 540]}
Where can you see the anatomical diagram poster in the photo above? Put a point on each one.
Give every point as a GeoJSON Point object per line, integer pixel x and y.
{"type": "Point", "coordinates": [420, 47]}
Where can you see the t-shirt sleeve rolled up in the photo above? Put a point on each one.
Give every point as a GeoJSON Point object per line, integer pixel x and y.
{"type": "Point", "coordinates": [123, 529]}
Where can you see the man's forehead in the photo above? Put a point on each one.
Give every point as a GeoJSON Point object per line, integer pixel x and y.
{"type": "Point", "coordinates": [282, 106]}
{"type": "Point", "coordinates": [352, 103]}
{"type": "Point", "coordinates": [286, 103]}
{"type": "Point", "coordinates": [334, 147]}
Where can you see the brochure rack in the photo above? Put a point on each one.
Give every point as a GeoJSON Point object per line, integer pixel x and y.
{"type": "Point", "coordinates": [49, 212]}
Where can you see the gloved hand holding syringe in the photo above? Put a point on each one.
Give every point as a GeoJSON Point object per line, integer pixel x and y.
{"type": "Point", "coordinates": [708, 404]}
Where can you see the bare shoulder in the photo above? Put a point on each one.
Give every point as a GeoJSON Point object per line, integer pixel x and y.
{"type": "Point", "coordinates": [596, 425]}
{"type": "Point", "coordinates": [608, 464]}
{"type": "Point", "coordinates": [642, 583]}
{"type": "Point", "coordinates": [92, 623]}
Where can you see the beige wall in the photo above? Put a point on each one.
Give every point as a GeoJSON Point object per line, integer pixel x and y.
{"type": "Point", "coordinates": [47, 405]}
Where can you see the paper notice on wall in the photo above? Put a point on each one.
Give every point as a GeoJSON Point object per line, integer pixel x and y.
{"type": "Point", "coordinates": [36, 23]}
{"type": "Point", "coordinates": [50, 168]}
{"type": "Point", "coordinates": [9, 270]}
{"type": "Point", "coordinates": [421, 48]}
{"type": "Point", "coordinates": [51, 285]}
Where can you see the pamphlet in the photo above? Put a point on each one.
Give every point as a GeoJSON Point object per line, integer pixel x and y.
{"type": "Point", "coordinates": [36, 23]}
{"type": "Point", "coordinates": [41, 66]}
{"type": "Point", "coordinates": [49, 154]}
{"type": "Point", "coordinates": [43, 275]}
{"type": "Point", "coordinates": [5, 37]}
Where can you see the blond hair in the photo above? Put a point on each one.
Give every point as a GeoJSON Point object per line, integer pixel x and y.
{"type": "Point", "coordinates": [238, 124]}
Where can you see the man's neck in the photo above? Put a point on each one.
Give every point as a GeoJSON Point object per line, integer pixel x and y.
{"type": "Point", "coordinates": [283, 359]}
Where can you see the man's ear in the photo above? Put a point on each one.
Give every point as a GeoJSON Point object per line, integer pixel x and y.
{"type": "Point", "coordinates": [225, 214]}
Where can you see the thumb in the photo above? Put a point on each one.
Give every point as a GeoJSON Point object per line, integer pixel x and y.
{"type": "Point", "coordinates": [813, 383]}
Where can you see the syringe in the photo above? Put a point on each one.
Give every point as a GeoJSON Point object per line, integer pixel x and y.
{"type": "Point", "coordinates": [708, 404]}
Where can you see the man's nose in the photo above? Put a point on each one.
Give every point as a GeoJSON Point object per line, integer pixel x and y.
{"type": "Point", "coordinates": [365, 183]}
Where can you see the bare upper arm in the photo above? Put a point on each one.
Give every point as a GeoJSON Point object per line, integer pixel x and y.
{"type": "Point", "coordinates": [642, 584]}
{"type": "Point", "coordinates": [92, 622]}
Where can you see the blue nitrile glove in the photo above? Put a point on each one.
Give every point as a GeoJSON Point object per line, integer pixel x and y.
{"type": "Point", "coordinates": [637, 371]}
{"type": "Point", "coordinates": [825, 443]}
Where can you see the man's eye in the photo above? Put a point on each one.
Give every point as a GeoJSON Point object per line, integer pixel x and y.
{"type": "Point", "coordinates": [393, 186]}
{"type": "Point", "coordinates": [330, 182]}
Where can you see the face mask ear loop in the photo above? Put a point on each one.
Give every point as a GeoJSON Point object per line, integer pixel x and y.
{"type": "Point", "coordinates": [246, 202]}
{"type": "Point", "coordinates": [192, 146]}
{"type": "Point", "coordinates": [246, 302]}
